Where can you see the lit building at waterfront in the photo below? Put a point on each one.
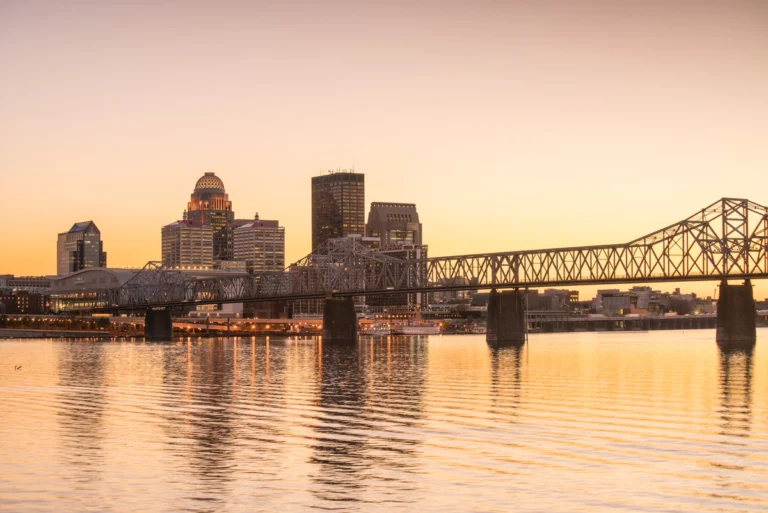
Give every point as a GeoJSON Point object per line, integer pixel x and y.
{"type": "Point", "coordinates": [261, 244]}
{"type": "Point", "coordinates": [188, 243]}
{"type": "Point", "coordinates": [210, 206]}
{"type": "Point", "coordinates": [394, 223]}
{"type": "Point", "coordinates": [80, 248]}
{"type": "Point", "coordinates": [23, 302]}
{"type": "Point", "coordinates": [338, 206]}
{"type": "Point", "coordinates": [33, 284]}
{"type": "Point", "coordinates": [80, 289]}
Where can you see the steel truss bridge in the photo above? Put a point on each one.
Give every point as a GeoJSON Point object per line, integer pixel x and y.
{"type": "Point", "coordinates": [726, 240]}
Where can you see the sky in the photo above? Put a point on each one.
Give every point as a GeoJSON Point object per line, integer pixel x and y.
{"type": "Point", "coordinates": [510, 124]}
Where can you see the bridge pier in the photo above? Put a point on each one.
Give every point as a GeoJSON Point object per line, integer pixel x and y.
{"type": "Point", "coordinates": [736, 316]}
{"type": "Point", "coordinates": [158, 325]}
{"type": "Point", "coordinates": [339, 320]}
{"type": "Point", "coordinates": [506, 319]}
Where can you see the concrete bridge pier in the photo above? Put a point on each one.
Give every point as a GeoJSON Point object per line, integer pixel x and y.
{"type": "Point", "coordinates": [506, 319]}
{"type": "Point", "coordinates": [339, 320]}
{"type": "Point", "coordinates": [158, 325]}
{"type": "Point", "coordinates": [736, 316]}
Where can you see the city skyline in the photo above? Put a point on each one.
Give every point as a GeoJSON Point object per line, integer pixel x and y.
{"type": "Point", "coordinates": [402, 213]}
{"type": "Point", "coordinates": [611, 143]}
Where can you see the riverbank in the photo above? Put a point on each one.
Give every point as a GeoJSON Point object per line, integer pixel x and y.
{"type": "Point", "coordinates": [27, 333]}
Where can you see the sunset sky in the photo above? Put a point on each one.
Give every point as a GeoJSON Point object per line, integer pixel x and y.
{"type": "Point", "coordinates": [511, 125]}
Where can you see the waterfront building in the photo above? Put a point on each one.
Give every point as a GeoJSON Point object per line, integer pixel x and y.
{"type": "Point", "coordinates": [338, 206]}
{"type": "Point", "coordinates": [210, 205]}
{"type": "Point", "coordinates": [188, 243]}
{"type": "Point", "coordinates": [447, 295]}
{"type": "Point", "coordinates": [394, 223]}
{"type": "Point", "coordinates": [612, 302]}
{"type": "Point", "coordinates": [33, 284]}
{"type": "Point", "coordinates": [261, 244]}
{"type": "Point", "coordinates": [80, 289]}
{"type": "Point", "coordinates": [86, 289]}
{"type": "Point", "coordinates": [80, 248]}
{"type": "Point", "coordinates": [558, 299]}
{"type": "Point", "coordinates": [23, 302]}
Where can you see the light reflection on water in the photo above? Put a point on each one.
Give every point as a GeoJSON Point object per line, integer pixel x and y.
{"type": "Point", "coordinates": [660, 421]}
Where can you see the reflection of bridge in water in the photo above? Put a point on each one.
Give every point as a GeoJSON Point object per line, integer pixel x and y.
{"type": "Point", "coordinates": [726, 240]}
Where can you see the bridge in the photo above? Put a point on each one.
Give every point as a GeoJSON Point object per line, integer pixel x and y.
{"type": "Point", "coordinates": [725, 240]}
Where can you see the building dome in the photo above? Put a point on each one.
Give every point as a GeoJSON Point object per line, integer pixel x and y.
{"type": "Point", "coordinates": [210, 181]}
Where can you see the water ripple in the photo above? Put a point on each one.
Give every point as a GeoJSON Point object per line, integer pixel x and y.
{"type": "Point", "coordinates": [651, 422]}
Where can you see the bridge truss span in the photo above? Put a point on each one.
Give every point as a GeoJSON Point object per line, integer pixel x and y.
{"type": "Point", "coordinates": [727, 239]}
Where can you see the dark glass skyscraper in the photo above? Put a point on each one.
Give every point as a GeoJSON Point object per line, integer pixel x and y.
{"type": "Point", "coordinates": [80, 248]}
{"type": "Point", "coordinates": [210, 205]}
{"type": "Point", "coordinates": [338, 206]}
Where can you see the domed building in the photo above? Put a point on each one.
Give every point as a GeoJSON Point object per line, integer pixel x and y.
{"type": "Point", "coordinates": [210, 205]}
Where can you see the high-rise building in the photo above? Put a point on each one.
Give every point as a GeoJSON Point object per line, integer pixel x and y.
{"type": "Point", "coordinates": [80, 248]}
{"type": "Point", "coordinates": [261, 244]}
{"type": "Point", "coordinates": [338, 206]}
{"type": "Point", "coordinates": [210, 205]}
{"type": "Point", "coordinates": [394, 223]}
{"type": "Point", "coordinates": [188, 243]}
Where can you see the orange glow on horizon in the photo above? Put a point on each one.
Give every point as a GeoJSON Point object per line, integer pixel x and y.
{"type": "Point", "coordinates": [510, 125]}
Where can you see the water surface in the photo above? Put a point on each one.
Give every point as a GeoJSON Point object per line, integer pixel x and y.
{"type": "Point", "coordinates": [659, 421]}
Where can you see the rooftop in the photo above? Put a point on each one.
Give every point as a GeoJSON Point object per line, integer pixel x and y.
{"type": "Point", "coordinates": [210, 181]}
{"type": "Point", "coordinates": [186, 223]}
{"type": "Point", "coordinates": [82, 226]}
{"type": "Point", "coordinates": [262, 223]}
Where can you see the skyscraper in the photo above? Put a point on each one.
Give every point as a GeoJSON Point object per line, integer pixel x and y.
{"type": "Point", "coordinates": [394, 223]}
{"type": "Point", "coordinates": [80, 248]}
{"type": "Point", "coordinates": [338, 206]}
{"type": "Point", "coordinates": [261, 244]}
{"type": "Point", "coordinates": [210, 205]}
{"type": "Point", "coordinates": [397, 226]}
{"type": "Point", "coordinates": [187, 244]}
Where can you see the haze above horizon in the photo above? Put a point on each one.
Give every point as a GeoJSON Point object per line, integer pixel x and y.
{"type": "Point", "coordinates": [510, 125]}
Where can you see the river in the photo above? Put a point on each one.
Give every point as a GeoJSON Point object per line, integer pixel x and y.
{"type": "Point", "coordinates": [657, 421]}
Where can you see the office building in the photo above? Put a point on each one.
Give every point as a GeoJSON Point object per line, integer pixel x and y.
{"type": "Point", "coordinates": [80, 248]}
{"type": "Point", "coordinates": [23, 302]}
{"type": "Point", "coordinates": [261, 244]}
{"type": "Point", "coordinates": [338, 206]}
{"type": "Point", "coordinates": [32, 284]}
{"type": "Point", "coordinates": [188, 243]}
{"type": "Point", "coordinates": [210, 205]}
{"type": "Point", "coordinates": [394, 224]}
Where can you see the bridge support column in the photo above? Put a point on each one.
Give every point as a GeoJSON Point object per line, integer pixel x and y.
{"type": "Point", "coordinates": [339, 320]}
{"type": "Point", "coordinates": [158, 325]}
{"type": "Point", "coordinates": [736, 316]}
{"type": "Point", "coordinates": [506, 318]}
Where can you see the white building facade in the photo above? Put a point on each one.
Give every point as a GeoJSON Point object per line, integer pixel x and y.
{"type": "Point", "coordinates": [187, 244]}
{"type": "Point", "coordinates": [261, 244]}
